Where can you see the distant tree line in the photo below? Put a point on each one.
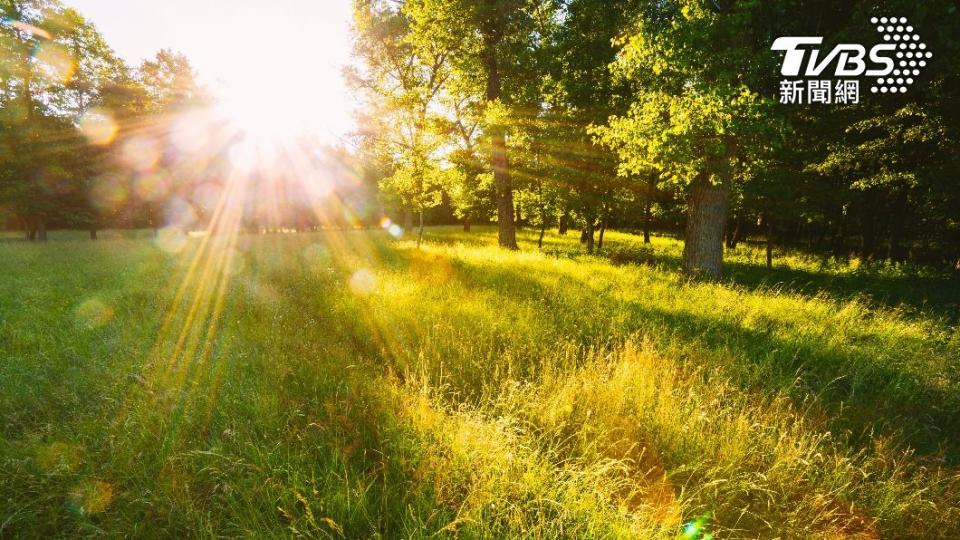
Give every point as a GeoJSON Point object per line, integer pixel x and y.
{"type": "Point", "coordinates": [88, 142]}
{"type": "Point", "coordinates": [592, 114]}
{"type": "Point", "coordinates": [67, 102]}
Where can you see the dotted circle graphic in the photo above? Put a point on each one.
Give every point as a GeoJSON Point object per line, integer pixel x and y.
{"type": "Point", "coordinates": [911, 54]}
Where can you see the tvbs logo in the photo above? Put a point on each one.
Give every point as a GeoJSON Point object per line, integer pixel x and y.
{"type": "Point", "coordinates": [835, 76]}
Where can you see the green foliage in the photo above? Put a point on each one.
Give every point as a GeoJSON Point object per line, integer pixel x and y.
{"type": "Point", "coordinates": [170, 82]}
{"type": "Point", "coordinates": [401, 78]}
{"type": "Point", "coordinates": [66, 97]}
{"type": "Point", "coordinates": [696, 113]}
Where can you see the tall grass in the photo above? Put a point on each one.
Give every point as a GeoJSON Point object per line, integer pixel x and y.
{"type": "Point", "coordinates": [349, 385]}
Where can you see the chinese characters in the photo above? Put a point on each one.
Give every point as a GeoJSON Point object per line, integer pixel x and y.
{"type": "Point", "coordinates": [820, 91]}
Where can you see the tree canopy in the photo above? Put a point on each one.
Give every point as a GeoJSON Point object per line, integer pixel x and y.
{"type": "Point", "coordinates": [570, 113]}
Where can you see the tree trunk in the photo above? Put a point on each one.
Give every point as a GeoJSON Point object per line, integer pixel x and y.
{"type": "Point", "coordinates": [420, 234]}
{"type": "Point", "coordinates": [839, 238]}
{"type": "Point", "coordinates": [817, 241]}
{"type": "Point", "coordinates": [588, 235]}
{"type": "Point", "coordinates": [703, 244]}
{"type": "Point", "coordinates": [868, 241]}
{"type": "Point", "coordinates": [466, 224]}
{"type": "Point", "coordinates": [603, 229]}
{"type": "Point", "coordinates": [41, 230]}
{"type": "Point", "coordinates": [733, 235]}
{"type": "Point", "coordinates": [564, 222]}
{"type": "Point", "coordinates": [407, 220]}
{"type": "Point", "coordinates": [93, 233]}
{"type": "Point", "coordinates": [506, 233]}
{"type": "Point", "coordinates": [769, 223]}
{"type": "Point", "coordinates": [543, 231]}
{"type": "Point", "coordinates": [895, 249]}
{"type": "Point", "coordinates": [646, 221]}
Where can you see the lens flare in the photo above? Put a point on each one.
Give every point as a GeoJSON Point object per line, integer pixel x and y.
{"type": "Point", "coordinates": [180, 214]}
{"type": "Point", "coordinates": [191, 133]}
{"type": "Point", "coordinates": [152, 187]}
{"type": "Point", "coordinates": [363, 282]}
{"type": "Point", "coordinates": [90, 498]}
{"type": "Point", "coordinates": [109, 192]}
{"type": "Point", "coordinates": [171, 239]}
{"type": "Point", "coordinates": [59, 456]}
{"type": "Point", "coordinates": [141, 153]}
{"type": "Point", "coordinates": [98, 126]}
{"type": "Point", "coordinates": [57, 64]}
{"type": "Point", "coordinates": [28, 28]}
{"type": "Point", "coordinates": [697, 529]}
{"type": "Point", "coordinates": [94, 313]}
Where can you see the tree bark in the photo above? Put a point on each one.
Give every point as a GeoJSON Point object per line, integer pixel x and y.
{"type": "Point", "coordinates": [868, 239]}
{"type": "Point", "coordinates": [647, 218]}
{"type": "Point", "coordinates": [603, 229]}
{"type": "Point", "coordinates": [93, 233]}
{"type": "Point", "coordinates": [588, 235]}
{"type": "Point", "coordinates": [420, 233]}
{"type": "Point", "coordinates": [769, 223]}
{"type": "Point", "coordinates": [41, 230]}
{"type": "Point", "coordinates": [839, 238]}
{"type": "Point", "coordinates": [466, 224]}
{"type": "Point", "coordinates": [733, 235]}
{"type": "Point", "coordinates": [703, 244]}
{"type": "Point", "coordinates": [506, 232]}
{"type": "Point", "coordinates": [564, 222]}
{"type": "Point", "coordinates": [895, 249]}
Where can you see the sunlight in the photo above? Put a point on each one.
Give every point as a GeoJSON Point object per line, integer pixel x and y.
{"type": "Point", "coordinates": [286, 86]}
{"type": "Point", "coordinates": [464, 268]}
{"type": "Point", "coordinates": [262, 115]}
{"type": "Point", "coordinates": [279, 106]}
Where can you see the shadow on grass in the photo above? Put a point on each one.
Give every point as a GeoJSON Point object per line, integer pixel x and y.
{"type": "Point", "coordinates": [915, 291]}
{"type": "Point", "coordinates": [856, 393]}
{"type": "Point", "coordinates": [936, 296]}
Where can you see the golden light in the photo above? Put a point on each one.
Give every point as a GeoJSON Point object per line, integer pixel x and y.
{"type": "Point", "coordinates": [261, 117]}
{"type": "Point", "coordinates": [141, 152]}
{"type": "Point", "coordinates": [98, 126]}
{"type": "Point", "coordinates": [56, 64]}
{"type": "Point", "coordinates": [276, 94]}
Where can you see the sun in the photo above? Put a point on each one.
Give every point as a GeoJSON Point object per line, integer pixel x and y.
{"type": "Point", "coordinates": [260, 115]}
{"type": "Point", "coordinates": [281, 94]}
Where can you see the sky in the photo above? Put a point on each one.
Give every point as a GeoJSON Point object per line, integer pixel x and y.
{"type": "Point", "coordinates": [279, 62]}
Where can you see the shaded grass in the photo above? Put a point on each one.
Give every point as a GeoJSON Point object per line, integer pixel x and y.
{"type": "Point", "coordinates": [346, 385]}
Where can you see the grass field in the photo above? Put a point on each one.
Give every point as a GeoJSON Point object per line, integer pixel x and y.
{"type": "Point", "coordinates": [349, 385]}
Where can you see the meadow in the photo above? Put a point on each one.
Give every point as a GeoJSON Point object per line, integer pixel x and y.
{"type": "Point", "coordinates": [350, 385]}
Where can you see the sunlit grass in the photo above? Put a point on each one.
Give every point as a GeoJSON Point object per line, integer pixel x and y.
{"type": "Point", "coordinates": [347, 384]}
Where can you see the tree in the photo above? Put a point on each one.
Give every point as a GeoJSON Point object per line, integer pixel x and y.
{"type": "Point", "coordinates": [472, 192]}
{"type": "Point", "coordinates": [492, 61]}
{"type": "Point", "coordinates": [86, 101]}
{"type": "Point", "coordinates": [170, 82]}
{"type": "Point", "coordinates": [402, 77]}
{"type": "Point", "coordinates": [61, 89]}
{"type": "Point", "coordinates": [696, 122]}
